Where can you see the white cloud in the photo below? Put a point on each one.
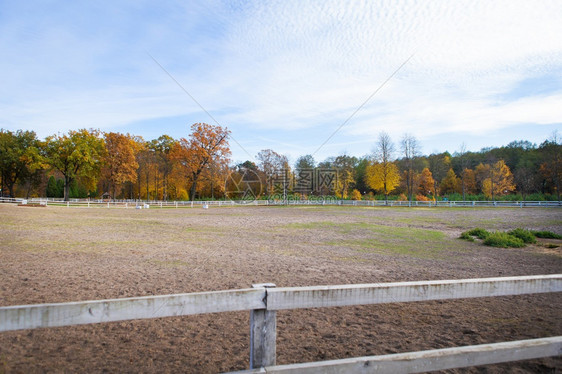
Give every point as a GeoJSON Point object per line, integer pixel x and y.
{"type": "Point", "coordinates": [282, 66]}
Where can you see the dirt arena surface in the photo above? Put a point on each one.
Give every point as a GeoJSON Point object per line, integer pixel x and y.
{"type": "Point", "coordinates": [59, 254]}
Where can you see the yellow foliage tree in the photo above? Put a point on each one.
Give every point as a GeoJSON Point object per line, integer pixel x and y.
{"type": "Point", "coordinates": [383, 177]}
{"type": "Point", "coordinates": [499, 180]}
{"type": "Point", "coordinates": [355, 195]}
{"type": "Point", "coordinates": [451, 183]}
{"type": "Point", "coordinates": [345, 179]}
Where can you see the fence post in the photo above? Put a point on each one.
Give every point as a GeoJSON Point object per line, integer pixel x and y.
{"type": "Point", "coordinates": [263, 333]}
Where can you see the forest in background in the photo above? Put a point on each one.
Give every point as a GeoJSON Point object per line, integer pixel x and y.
{"type": "Point", "coordinates": [93, 164]}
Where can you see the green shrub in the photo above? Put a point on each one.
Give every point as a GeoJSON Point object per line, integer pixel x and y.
{"type": "Point", "coordinates": [466, 236]}
{"type": "Point", "coordinates": [479, 233]}
{"type": "Point", "coordinates": [503, 240]}
{"type": "Point", "coordinates": [546, 234]}
{"type": "Point", "coordinates": [525, 235]}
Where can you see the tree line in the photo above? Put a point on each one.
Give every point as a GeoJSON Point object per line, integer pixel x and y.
{"type": "Point", "coordinates": [90, 163]}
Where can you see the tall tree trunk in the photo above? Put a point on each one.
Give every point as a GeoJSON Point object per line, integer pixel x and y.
{"type": "Point", "coordinates": [67, 182]}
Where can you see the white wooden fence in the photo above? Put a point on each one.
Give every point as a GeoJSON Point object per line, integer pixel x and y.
{"type": "Point", "coordinates": [263, 300]}
{"type": "Point", "coordinates": [316, 201]}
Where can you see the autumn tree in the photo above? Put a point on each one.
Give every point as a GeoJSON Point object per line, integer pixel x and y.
{"type": "Point", "coordinates": [383, 175]}
{"type": "Point", "coordinates": [410, 151]}
{"type": "Point", "coordinates": [496, 179]}
{"type": "Point", "coordinates": [426, 183]}
{"type": "Point", "coordinates": [451, 183]}
{"type": "Point", "coordinates": [120, 164]}
{"type": "Point", "coordinates": [345, 166]}
{"type": "Point", "coordinates": [439, 164]}
{"type": "Point", "coordinates": [245, 182]}
{"type": "Point", "coordinates": [206, 147]}
{"type": "Point", "coordinates": [76, 155]}
{"type": "Point", "coordinates": [469, 181]}
{"type": "Point", "coordinates": [274, 166]}
{"type": "Point", "coordinates": [19, 157]}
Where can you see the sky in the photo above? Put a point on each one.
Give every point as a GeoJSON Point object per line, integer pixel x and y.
{"type": "Point", "coordinates": [296, 76]}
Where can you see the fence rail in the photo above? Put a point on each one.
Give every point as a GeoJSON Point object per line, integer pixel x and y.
{"type": "Point", "coordinates": [426, 361]}
{"type": "Point", "coordinates": [315, 202]}
{"type": "Point", "coordinates": [263, 300]}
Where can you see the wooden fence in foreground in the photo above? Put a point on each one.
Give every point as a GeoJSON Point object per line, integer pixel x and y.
{"type": "Point", "coordinates": [263, 300]}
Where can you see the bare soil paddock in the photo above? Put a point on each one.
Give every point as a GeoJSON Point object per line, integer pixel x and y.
{"type": "Point", "coordinates": [62, 254]}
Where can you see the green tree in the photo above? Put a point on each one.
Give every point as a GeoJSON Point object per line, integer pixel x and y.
{"type": "Point", "coordinates": [19, 157]}
{"type": "Point", "coordinates": [76, 155]}
{"type": "Point", "coordinates": [55, 187]}
{"type": "Point", "coordinates": [551, 166]}
{"type": "Point", "coordinates": [451, 183]}
{"type": "Point", "coordinates": [305, 162]}
{"type": "Point", "coordinates": [162, 148]}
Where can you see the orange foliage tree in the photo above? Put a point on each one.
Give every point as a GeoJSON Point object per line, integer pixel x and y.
{"type": "Point", "coordinates": [496, 179]}
{"type": "Point", "coordinates": [120, 164]}
{"type": "Point", "coordinates": [206, 151]}
{"type": "Point", "coordinates": [468, 181]}
{"type": "Point", "coordinates": [426, 183]}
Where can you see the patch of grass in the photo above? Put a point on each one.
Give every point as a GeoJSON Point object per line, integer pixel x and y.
{"type": "Point", "coordinates": [381, 239]}
{"type": "Point", "coordinates": [309, 225]}
{"type": "Point", "coordinates": [503, 240]}
{"type": "Point", "coordinates": [525, 235]}
{"type": "Point", "coordinates": [551, 245]}
{"type": "Point", "coordinates": [546, 234]}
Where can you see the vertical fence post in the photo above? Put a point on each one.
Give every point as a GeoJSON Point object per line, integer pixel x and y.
{"type": "Point", "coordinates": [263, 334]}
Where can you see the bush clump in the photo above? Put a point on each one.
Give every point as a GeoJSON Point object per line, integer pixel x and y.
{"type": "Point", "coordinates": [503, 240]}
{"type": "Point", "coordinates": [479, 233]}
{"type": "Point", "coordinates": [546, 234]}
{"type": "Point", "coordinates": [466, 236]}
{"type": "Point", "coordinates": [525, 235]}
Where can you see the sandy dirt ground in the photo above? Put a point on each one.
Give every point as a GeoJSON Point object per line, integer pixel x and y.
{"type": "Point", "coordinates": [59, 254]}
